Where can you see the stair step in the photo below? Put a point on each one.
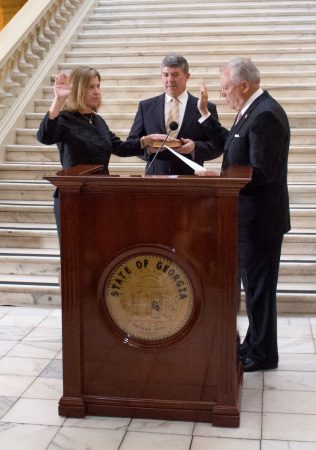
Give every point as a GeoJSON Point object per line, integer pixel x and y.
{"type": "Point", "coordinates": [116, 74]}
{"type": "Point", "coordinates": [179, 34]}
{"type": "Point", "coordinates": [41, 212]}
{"type": "Point", "coordinates": [30, 294]}
{"type": "Point", "coordinates": [29, 212]}
{"type": "Point", "coordinates": [26, 190]}
{"type": "Point", "coordinates": [110, 106]}
{"type": "Point", "coordinates": [219, 25]}
{"type": "Point", "coordinates": [18, 153]}
{"type": "Point", "coordinates": [125, 120]}
{"type": "Point", "coordinates": [245, 43]}
{"type": "Point", "coordinates": [41, 190]}
{"type": "Point", "coordinates": [39, 265]}
{"type": "Point", "coordinates": [299, 136]}
{"type": "Point", "coordinates": [106, 15]}
{"type": "Point", "coordinates": [303, 217]}
{"type": "Point", "coordinates": [193, 11]}
{"type": "Point", "coordinates": [141, 92]}
{"type": "Point", "coordinates": [304, 194]}
{"type": "Point", "coordinates": [127, 5]}
{"type": "Point", "coordinates": [295, 59]}
{"type": "Point", "coordinates": [296, 300]}
{"type": "Point", "coordinates": [298, 273]}
{"type": "Point", "coordinates": [47, 266]}
{"type": "Point", "coordinates": [39, 153]}
{"type": "Point", "coordinates": [26, 235]}
{"type": "Point", "coordinates": [296, 172]}
{"type": "Point", "coordinates": [276, 53]}
{"type": "Point", "coordinates": [34, 171]}
{"type": "Point", "coordinates": [295, 242]}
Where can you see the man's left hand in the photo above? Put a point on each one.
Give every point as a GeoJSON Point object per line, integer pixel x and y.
{"type": "Point", "coordinates": [187, 147]}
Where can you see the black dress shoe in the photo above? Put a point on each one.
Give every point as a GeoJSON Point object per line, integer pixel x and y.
{"type": "Point", "coordinates": [253, 366]}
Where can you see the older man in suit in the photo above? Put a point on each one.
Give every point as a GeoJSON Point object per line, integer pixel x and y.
{"type": "Point", "coordinates": [260, 136]}
{"type": "Point", "coordinates": [178, 105]}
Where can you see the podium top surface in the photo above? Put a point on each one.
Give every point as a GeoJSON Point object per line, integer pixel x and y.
{"type": "Point", "coordinates": [90, 177]}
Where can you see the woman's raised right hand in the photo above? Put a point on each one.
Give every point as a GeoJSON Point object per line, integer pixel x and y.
{"type": "Point", "coordinates": [62, 88]}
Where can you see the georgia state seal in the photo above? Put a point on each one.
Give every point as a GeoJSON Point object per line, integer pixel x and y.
{"type": "Point", "coordinates": [148, 297]}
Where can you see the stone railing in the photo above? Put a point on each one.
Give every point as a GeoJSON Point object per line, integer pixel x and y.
{"type": "Point", "coordinates": [25, 41]}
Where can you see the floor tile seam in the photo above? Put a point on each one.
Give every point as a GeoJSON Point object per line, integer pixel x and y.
{"type": "Point", "coordinates": [18, 375]}
{"type": "Point", "coordinates": [265, 413]}
{"type": "Point", "coordinates": [165, 433]}
{"type": "Point", "coordinates": [28, 357]}
{"type": "Point", "coordinates": [228, 437]}
{"type": "Point", "coordinates": [16, 400]}
{"type": "Point", "coordinates": [6, 354]}
{"type": "Point", "coordinates": [81, 427]}
{"type": "Point", "coordinates": [293, 354]}
{"type": "Point", "coordinates": [261, 418]}
{"type": "Point", "coordinates": [314, 337]}
{"type": "Point", "coordinates": [124, 436]}
{"type": "Point", "coordinates": [17, 317]}
{"type": "Point", "coordinates": [33, 357]}
{"type": "Point", "coordinates": [31, 423]}
{"type": "Point", "coordinates": [58, 429]}
{"type": "Point", "coordinates": [39, 398]}
{"type": "Point", "coordinates": [27, 333]}
{"type": "Point", "coordinates": [289, 390]}
{"type": "Point", "coordinates": [280, 370]}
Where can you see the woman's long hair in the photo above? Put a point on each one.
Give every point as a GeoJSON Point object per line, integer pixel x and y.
{"type": "Point", "coordinates": [79, 80]}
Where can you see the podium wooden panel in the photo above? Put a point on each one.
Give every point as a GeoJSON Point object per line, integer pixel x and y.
{"type": "Point", "coordinates": [145, 234]}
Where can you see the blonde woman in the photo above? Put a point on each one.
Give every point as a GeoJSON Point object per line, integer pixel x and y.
{"type": "Point", "coordinates": [81, 135]}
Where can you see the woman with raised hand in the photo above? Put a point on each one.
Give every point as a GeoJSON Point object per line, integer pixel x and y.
{"type": "Point", "coordinates": [81, 135]}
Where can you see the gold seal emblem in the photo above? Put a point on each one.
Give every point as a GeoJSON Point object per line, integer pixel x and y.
{"type": "Point", "coordinates": [149, 297]}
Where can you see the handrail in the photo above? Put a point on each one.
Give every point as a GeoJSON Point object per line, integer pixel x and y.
{"type": "Point", "coordinates": [26, 40]}
{"type": "Point", "coordinates": [18, 28]}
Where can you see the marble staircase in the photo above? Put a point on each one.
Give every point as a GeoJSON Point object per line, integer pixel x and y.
{"type": "Point", "coordinates": [126, 41]}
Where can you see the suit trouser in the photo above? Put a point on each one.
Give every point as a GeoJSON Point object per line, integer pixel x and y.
{"type": "Point", "coordinates": [259, 262]}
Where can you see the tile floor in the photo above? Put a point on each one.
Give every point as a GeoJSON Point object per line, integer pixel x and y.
{"type": "Point", "coordinates": [278, 407]}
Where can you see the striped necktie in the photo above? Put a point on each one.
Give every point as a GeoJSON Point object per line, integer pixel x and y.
{"type": "Point", "coordinates": [174, 116]}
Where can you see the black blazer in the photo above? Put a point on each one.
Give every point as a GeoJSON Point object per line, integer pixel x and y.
{"type": "Point", "coordinates": [79, 142]}
{"type": "Point", "coordinates": [261, 138]}
{"type": "Point", "coordinates": [150, 118]}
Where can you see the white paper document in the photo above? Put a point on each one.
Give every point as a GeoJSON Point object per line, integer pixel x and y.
{"type": "Point", "coordinates": [189, 162]}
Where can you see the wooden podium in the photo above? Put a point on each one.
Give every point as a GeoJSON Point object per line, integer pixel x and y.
{"type": "Point", "coordinates": [150, 295]}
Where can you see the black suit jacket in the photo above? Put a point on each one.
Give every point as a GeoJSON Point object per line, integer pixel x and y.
{"type": "Point", "coordinates": [150, 118]}
{"type": "Point", "coordinates": [261, 138]}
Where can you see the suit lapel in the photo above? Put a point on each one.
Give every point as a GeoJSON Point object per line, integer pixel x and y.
{"type": "Point", "coordinates": [191, 114]}
{"type": "Point", "coordinates": [159, 111]}
{"type": "Point", "coordinates": [243, 120]}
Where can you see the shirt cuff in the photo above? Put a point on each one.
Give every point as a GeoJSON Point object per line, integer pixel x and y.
{"type": "Point", "coordinates": [203, 118]}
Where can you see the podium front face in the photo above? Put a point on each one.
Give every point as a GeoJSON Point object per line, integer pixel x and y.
{"type": "Point", "coordinates": [150, 297]}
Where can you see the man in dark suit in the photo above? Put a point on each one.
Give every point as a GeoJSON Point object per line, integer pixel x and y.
{"type": "Point", "coordinates": [153, 114]}
{"type": "Point", "coordinates": [260, 137]}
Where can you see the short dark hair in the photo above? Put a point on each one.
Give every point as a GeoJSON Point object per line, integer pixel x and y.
{"type": "Point", "coordinates": [174, 60]}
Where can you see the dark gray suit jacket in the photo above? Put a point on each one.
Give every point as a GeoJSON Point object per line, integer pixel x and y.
{"type": "Point", "coordinates": [261, 138]}
{"type": "Point", "coordinates": [150, 118]}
